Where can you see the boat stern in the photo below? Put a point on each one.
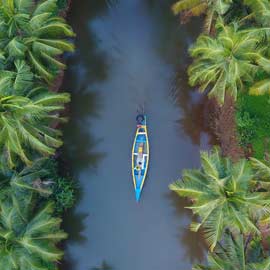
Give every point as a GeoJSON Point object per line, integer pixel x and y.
{"type": "Point", "coordinates": [137, 194]}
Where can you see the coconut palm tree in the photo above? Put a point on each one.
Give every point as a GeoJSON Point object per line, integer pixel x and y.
{"type": "Point", "coordinates": [25, 124]}
{"type": "Point", "coordinates": [34, 32]}
{"type": "Point", "coordinates": [35, 178]}
{"type": "Point", "coordinates": [28, 235]}
{"type": "Point", "coordinates": [260, 11]}
{"type": "Point", "coordinates": [260, 88]}
{"type": "Point", "coordinates": [17, 80]}
{"type": "Point", "coordinates": [221, 196]}
{"type": "Point", "coordinates": [262, 170]}
{"type": "Point", "coordinates": [211, 8]}
{"type": "Point", "coordinates": [236, 252]}
{"type": "Point", "coordinates": [223, 64]}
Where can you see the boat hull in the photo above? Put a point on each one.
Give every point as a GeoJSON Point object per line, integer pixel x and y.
{"type": "Point", "coordinates": [140, 157]}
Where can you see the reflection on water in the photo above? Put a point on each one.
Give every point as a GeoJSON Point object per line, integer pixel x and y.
{"type": "Point", "coordinates": [193, 242]}
{"type": "Point", "coordinates": [130, 53]}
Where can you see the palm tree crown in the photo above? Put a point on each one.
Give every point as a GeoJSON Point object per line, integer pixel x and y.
{"type": "Point", "coordinates": [236, 252]}
{"type": "Point", "coordinates": [212, 8]}
{"type": "Point", "coordinates": [260, 10]}
{"type": "Point", "coordinates": [17, 81]}
{"type": "Point", "coordinates": [221, 196]}
{"type": "Point", "coordinates": [35, 33]}
{"type": "Point", "coordinates": [24, 124]}
{"type": "Point", "coordinates": [223, 64]}
{"type": "Point", "coordinates": [28, 237]}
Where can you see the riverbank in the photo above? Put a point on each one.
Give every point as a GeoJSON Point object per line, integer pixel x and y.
{"type": "Point", "coordinates": [222, 120]}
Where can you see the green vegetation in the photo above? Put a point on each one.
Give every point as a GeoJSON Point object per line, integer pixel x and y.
{"type": "Point", "coordinates": [253, 114]}
{"type": "Point", "coordinates": [235, 56]}
{"type": "Point", "coordinates": [212, 9]}
{"type": "Point", "coordinates": [227, 61]}
{"type": "Point", "coordinates": [222, 196]}
{"type": "Point", "coordinates": [33, 195]}
{"type": "Point", "coordinates": [235, 252]}
{"type": "Point", "coordinates": [29, 235]}
{"type": "Point", "coordinates": [231, 199]}
{"type": "Point", "coordinates": [63, 193]}
{"type": "Point", "coordinates": [62, 4]}
{"type": "Point", "coordinates": [24, 124]}
{"type": "Point", "coordinates": [35, 35]}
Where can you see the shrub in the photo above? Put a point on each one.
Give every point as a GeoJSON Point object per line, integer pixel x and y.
{"type": "Point", "coordinates": [62, 4]}
{"type": "Point", "coordinates": [63, 195]}
{"type": "Point", "coordinates": [253, 123]}
{"type": "Point", "coordinates": [64, 188]}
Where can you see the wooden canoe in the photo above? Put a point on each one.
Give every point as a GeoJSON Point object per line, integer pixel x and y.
{"type": "Point", "coordinates": [140, 156]}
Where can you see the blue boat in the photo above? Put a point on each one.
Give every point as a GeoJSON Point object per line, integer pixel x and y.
{"type": "Point", "coordinates": [140, 155]}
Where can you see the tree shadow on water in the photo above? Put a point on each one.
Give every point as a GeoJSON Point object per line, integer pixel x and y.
{"type": "Point", "coordinates": [74, 225]}
{"type": "Point", "coordinates": [192, 243]}
{"type": "Point", "coordinates": [178, 204]}
{"type": "Point", "coordinates": [88, 54]}
{"type": "Point", "coordinates": [86, 68]}
{"type": "Point", "coordinates": [173, 44]}
{"type": "Point", "coordinates": [195, 119]}
{"type": "Point", "coordinates": [79, 143]}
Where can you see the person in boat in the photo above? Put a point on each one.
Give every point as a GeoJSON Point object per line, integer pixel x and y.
{"type": "Point", "coordinates": [140, 161]}
{"type": "Point", "coordinates": [139, 166]}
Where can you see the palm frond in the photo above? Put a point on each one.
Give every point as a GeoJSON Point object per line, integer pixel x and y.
{"type": "Point", "coordinates": [182, 5]}
{"type": "Point", "coordinates": [260, 88]}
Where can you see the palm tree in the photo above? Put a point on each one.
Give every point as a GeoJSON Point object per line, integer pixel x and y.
{"type": "Point", "coordinates": [221, 196]}
{"type": "Point", "coordinates": [223, 64]}
{"type": "Point", "coordinates": [261, 87]}
{"type": "Point", "coordinates": [260, 11]}
{"type": "Point", "coordinates": [236, 252]}
{"type": "Point", "coordinates": [211, 8]}
{"type": "Point", "coordinates": [35, 178]}
{"type": "Point", "coordinates": [25, 124]}
{"type": "Point", "coordinates": [262, 171]}
{"type": "Point", "coordinates": [18, 80]}
{"type": "Point", "coordinates": [35, 33]}
{"type": "Point", "coordinates": [28, 235]}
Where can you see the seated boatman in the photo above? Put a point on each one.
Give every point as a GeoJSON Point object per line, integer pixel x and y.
{"type": "Point", "coordinates": [140, 159]}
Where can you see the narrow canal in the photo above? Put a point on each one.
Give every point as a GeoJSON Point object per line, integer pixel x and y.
{"type": "Point", "coordinates": [130, 53]}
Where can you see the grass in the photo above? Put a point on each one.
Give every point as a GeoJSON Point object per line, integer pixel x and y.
{"type": "Point", "coordinates": [253, 123]}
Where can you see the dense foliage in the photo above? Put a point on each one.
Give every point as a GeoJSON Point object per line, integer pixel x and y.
{"type": "Point", "coordinates": [34, 33]}
{"type": "Point", "coordinates": [62, 187]}
{"type": "Point", "coordinates": [32, 39]}
{"type": "Point", "coordinates": [235, 55]}
{"type": "Point", "coordinates": [29, 235]}
{"type": "Point", "coordinates": [232, 199]}
{"type": "Point", "coordinates": [223, 64]}
{"type": "Point", "coordinates": [253, 114]}
{"type": "Point", "coordinates": [222, 197]}
{"type": "Point", "coordinates": [236, 252]}
{"type": "Point", "coordinates": [25, 123]}
{"type": "Point", "coordinates": [212, 9]}
{"type": "Point", "coordinates": [228, 198]}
